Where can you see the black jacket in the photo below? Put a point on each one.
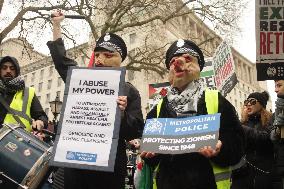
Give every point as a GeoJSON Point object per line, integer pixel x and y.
{"type": "Point", "coordinates": [256, 173]}
{"type": "Point", "coordinates": [193, 170]}
{"type": "Point", "coordinates": [259, 147]}
{"type": "Point", "coordinates": [278, 151]}
{"type": "Point", "coordinates": [132, 123]}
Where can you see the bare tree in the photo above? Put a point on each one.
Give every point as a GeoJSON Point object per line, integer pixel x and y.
{"type": "Point", "coordinates": [30, 18]}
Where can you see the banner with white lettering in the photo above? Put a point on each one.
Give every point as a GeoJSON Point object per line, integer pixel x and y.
{"type": "Point", "coordinates": [224, 68]}
{"type": "Point", "coordinates": [269, 27]}
{"type": "Point", "coordinates": [180, 135]}
{"type": "Point", "coordinates": [89, 125]}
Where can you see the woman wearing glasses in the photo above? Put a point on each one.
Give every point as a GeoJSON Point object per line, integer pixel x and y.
{"type": "Point", "coordinates": [256, 172]}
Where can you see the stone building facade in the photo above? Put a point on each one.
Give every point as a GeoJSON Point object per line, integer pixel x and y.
{"type": "Point", "coordinates": [40, 73]}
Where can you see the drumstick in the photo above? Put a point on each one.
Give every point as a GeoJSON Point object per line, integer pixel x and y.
{"type": "Point", "coordinates": [71, 16]}
{"type": "Point", "coordinates": [48, 132]}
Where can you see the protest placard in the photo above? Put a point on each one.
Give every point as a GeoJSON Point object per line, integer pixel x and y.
{"type": "Point", "coordinates": [89, 125]}
{"type": "Point", "coordinates": [269, 27]}
{"type": "Point", "coordinates": [224, 69]}
{"type": "Point", "coordinates": [180, 135]}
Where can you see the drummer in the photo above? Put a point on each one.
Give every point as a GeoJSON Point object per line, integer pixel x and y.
{"type": "Point", "coordinates": [18, 104]}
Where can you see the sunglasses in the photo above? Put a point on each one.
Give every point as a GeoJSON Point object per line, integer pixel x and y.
{"type": "Point", "coordinates": [251, 101]}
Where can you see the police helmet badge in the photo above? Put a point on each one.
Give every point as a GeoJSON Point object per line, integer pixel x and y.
{"type": "Point", "coordinates": [107, 37]}
{"type": "Point", "coordinates": [180, 43]}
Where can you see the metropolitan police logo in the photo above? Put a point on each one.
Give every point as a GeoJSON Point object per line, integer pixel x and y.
{"type": "Point", "coordinates": [154, 126]}
{"type": "Point", "coordinates": [180, 43]}
{"type": "Point", "coordinates": [70, 155]}
{"type": "Point", "coordinates": [271, 71]}
{"type": "Point", "coordinates": [107, 37]}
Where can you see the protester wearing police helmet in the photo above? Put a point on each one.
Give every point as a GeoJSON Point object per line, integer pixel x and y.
{"type": "Point", "coordinates": [110, 51]}
{"type": "Point", "coordinates": [185, 98]}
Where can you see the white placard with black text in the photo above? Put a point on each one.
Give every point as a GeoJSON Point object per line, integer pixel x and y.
{"type": "Point", "coordinates": [90, 123]}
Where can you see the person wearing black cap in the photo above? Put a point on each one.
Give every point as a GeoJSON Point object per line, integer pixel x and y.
{"type": "Point", "coordinates": [256, 173]}
{"type": "Point", "coordinates": [186, 97]}
{"type": "Point", "coordinates": [22, 100]}
{"type": "Point", "coordinates": [110, 51]}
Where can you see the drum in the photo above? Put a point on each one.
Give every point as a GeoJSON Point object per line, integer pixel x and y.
{"type": "Point", "coordinates": [23, 158]}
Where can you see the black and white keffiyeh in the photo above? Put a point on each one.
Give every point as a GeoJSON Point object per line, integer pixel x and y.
{"type": "Point", "coordinates": [13, 85]}
{"type": "Point", "coordinates": [185, 103]}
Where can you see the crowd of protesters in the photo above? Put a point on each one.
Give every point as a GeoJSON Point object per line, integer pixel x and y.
{"type": "Point", "coordinates": [252, 141]}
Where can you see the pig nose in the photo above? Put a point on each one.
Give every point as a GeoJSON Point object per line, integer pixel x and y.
{"type": "Point", "coordinates": [99, 60]}
{"type": "Point", "coordinates": [177, 63]}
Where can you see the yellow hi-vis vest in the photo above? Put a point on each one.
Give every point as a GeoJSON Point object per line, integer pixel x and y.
{"type": "Point", "coordinates": [21, 105]}
{"type": "Point", "coordinates": [222, 174]}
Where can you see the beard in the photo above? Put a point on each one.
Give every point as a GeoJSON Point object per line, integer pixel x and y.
{"type": "Point", "coordinates": [12, 85]}
{"type": "Point", "coordinates": [6, 79]}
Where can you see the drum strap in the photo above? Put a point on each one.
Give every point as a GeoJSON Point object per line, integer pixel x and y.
{"type": "Point", "coordinates": [11, 111]}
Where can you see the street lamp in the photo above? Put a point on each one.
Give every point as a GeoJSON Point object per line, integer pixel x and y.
{"type": "Point", "coordinates": [55, 109]}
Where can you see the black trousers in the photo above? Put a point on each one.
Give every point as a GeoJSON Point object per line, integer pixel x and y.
{"type": "Point", "coordinates": [86, 179]}
{"type": "Point", "coordinates": [249, 178]}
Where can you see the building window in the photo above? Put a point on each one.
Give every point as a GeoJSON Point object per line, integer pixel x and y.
{"type": "Point", "coordinates": [83, 58]}
{"type": "Point", "coordinates": [132, 38]}
{"type": "Point", "coordinates": [130, 75]}
{"type": "Point", "coordinates": [249, 78]}
{"type": "Point", "coordinates": [26, 78]}
{"type": "Point", "coordinates": [41, 74]}
{"type": "Point", "coordinates": [40, 87]}
{"type": "Point", "coordinates": [33, 77]}
{"type": "Point", "coordinates": [49, 82]}
{"type": "Point", "coordinates": [47, 98]}
{"type": "Point", "coordinates": [51, 70]}
{"type": "Point", "coordinates": [184, 20]}
{"type": "Point", "coordinates": [58, 94]}
{"type": "Point", "coordinates": [59, 81]}
{"type": "Point", "coordinates": [216, 44]}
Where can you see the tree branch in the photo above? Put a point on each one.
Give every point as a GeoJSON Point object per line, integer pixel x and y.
{"type": "Point", "coordinates": [1, 5]}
